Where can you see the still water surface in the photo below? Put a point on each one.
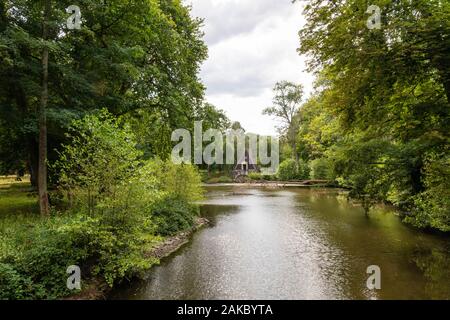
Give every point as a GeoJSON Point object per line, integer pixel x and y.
{"type": "Point", "coordinates": [297, 243]}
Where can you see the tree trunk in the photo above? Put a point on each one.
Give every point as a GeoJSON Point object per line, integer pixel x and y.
{"type": "Point", "coordinates": [3, 19]}
{"type": "Point", "coordinates": [42, 170]}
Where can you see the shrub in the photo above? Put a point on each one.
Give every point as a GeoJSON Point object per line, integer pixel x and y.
{"type": "Point", "coordinates": [13, 284]}
{"type": "Point", "coordinates": [303, 171]}
{"type": "Point", "coordinates": [173, 215]}
{"type": "Point", "coordinates": [119, 205]}
{"type": "Point", "coordinates": [37, 269]}
{"type": "Point", "coordinates": [221, 179]}
{"type": "Point", "coordinates": [255, 176]}
{"type": "Point", "coordinates": [43, 253]}
{"type": "Point", "coordinates": [432, 206]}
{"type": "Point", "coordinates": [204, 175]}
{"type": "Point", "coordinates": [321, 169]}
{"type": "Point", "coordinates": [225, 179]}
{"type": "Point", "coordinates": [101, 155]}
{"type": "Point", "coordinates": [288, 170]}
{"type": "Point", "coordinates": [181, 181]}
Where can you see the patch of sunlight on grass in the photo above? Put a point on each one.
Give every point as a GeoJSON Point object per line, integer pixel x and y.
{"type": "Point", "coordinates": [17, 198]}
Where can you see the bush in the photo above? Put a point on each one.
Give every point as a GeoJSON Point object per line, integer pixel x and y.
{"type": "Point", "coordinates": [45, 252]}
{"type": "Point", "coordinates": [221, 179]}
{"type": "Point", "coordinates": [303, 171]}
{"type": "Point", "coordinates": [101, 155]}
{"type": "Point", "coordinates": [321, 169]}
{"type": "Point", "coordinates": [270, 177]}
{"type": "Point", "coordinates": [13, 284]}
{"type": "Point", "coordinates": [204, 175]}
{"type": "Point", "coordinates": [37, 269]}
{"type": "Point", "coordinates": [432, 206]}
{"type": "Point", "coordinates": [181, 181]}
{"type": "Point", "coordinates": [174, 215]}
{"type": "Point", "coordinates": [225, 179]}
{"type": "Point", "coordinates": [255, 176]}
{"type": "Point", "coordinates": [261, 177]}
{"type": "Point", "coordinates": [119, 205]}
{"type": "Point", "coordinates": [288, 170]}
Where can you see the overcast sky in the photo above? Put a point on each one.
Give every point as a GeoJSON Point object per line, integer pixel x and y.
{"type": "Point", "coordinates": [252, 45]}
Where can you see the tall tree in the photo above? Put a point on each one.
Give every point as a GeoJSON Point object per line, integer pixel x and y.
{"type": "Point", "coordinates": [286, 103]}
{"type": "Point", "coordinates": [135, 58]}
{"type": "Point", "coordinates": [389, 89]}
{"type": "Point", "coordinates": [42, 172]}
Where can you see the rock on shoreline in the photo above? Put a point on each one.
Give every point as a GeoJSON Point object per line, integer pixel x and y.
{"type": "Point", "coordinates": [172, 244]}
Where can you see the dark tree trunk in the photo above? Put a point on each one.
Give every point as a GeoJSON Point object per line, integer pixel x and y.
{"type": "Point", "coordinates": [3, 20]}
{"type": "Point", "coordinates": [42, 170]}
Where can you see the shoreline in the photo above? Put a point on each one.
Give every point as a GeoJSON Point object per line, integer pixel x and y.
{"type": "Point", "coordinates": [276, 184]}
{"type": "Point", "coordinates": [97, 289]}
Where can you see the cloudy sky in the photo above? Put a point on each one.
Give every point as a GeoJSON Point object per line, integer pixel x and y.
{"type": "Point", "coordinates": [252, 45]}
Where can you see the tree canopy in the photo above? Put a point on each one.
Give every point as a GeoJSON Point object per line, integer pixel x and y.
{"type": "Point", "coordinates": [140, 59]}
{"type": "Point", "coordinates": [380, 113]}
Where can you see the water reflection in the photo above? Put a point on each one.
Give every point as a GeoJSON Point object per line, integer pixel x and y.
{"type": "Point", "coordinates": [297, 244]}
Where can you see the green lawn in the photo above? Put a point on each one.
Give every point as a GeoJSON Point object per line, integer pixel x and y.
{"type": "Point", "coordinates": [17, 198]}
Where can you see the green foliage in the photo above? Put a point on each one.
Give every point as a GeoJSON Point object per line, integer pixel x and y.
{"type": "Point", "coordinates": [224, 179]}
{"type": "Point", "coordinates": [182, 181]}
{"type": "Point", "coordinates": [118, 207]}
{"type": "Point", "coordinates": [99, 159]}
{"type": "Point", "coordinates": [139, 59]}
{"type": "Point", "coordinates": [173, 215]}
{"type": "Point", "coordinates": [291, 170]}
{"type": "Point", "coordinates": [382, 104]}
{"type": "Point", "coordinates": [287, 99]}
{"type": "Point", "coordinates": [303, 170]}
{"type": "Point", "coordinates": [14, 285]}
{"type": "Point", "coordinates": [432, 207]}
{"type": "Point", "coordinates": [36, 268]}
{"type": "Point", "coordinates": [255, 176]}
{"type": "Point", "coordinates": [321, 169]}
{"type": "Point", "coordinates": [319, 131]}
{"type": "Point", "coordinates": [288, 170]}
{"type": "Point", "coordinates": [270, 177]}
{"type": "Point", "coordinates": [220, 179]}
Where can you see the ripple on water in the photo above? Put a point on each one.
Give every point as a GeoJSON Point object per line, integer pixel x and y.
{"type": "Point", "coordinates": [285, 244]}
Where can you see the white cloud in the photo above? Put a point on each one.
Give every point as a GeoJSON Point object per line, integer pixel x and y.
{"type": "Point", "coordinates": [252, 45]}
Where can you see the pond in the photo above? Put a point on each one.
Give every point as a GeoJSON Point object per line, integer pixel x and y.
{"type": "Point", "coordinates": [297, 243]}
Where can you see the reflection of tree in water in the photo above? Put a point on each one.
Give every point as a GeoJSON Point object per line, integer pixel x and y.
{"type": "Point", "coordinates": [435, 266]}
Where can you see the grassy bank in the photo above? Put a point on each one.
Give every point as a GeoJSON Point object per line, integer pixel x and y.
{"type": "Point", "coordinates": [16, 197]}
{"type": "Point", "coordinates": [106, 215]}
{"type": "Point", "coordinates": [35, 252]}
